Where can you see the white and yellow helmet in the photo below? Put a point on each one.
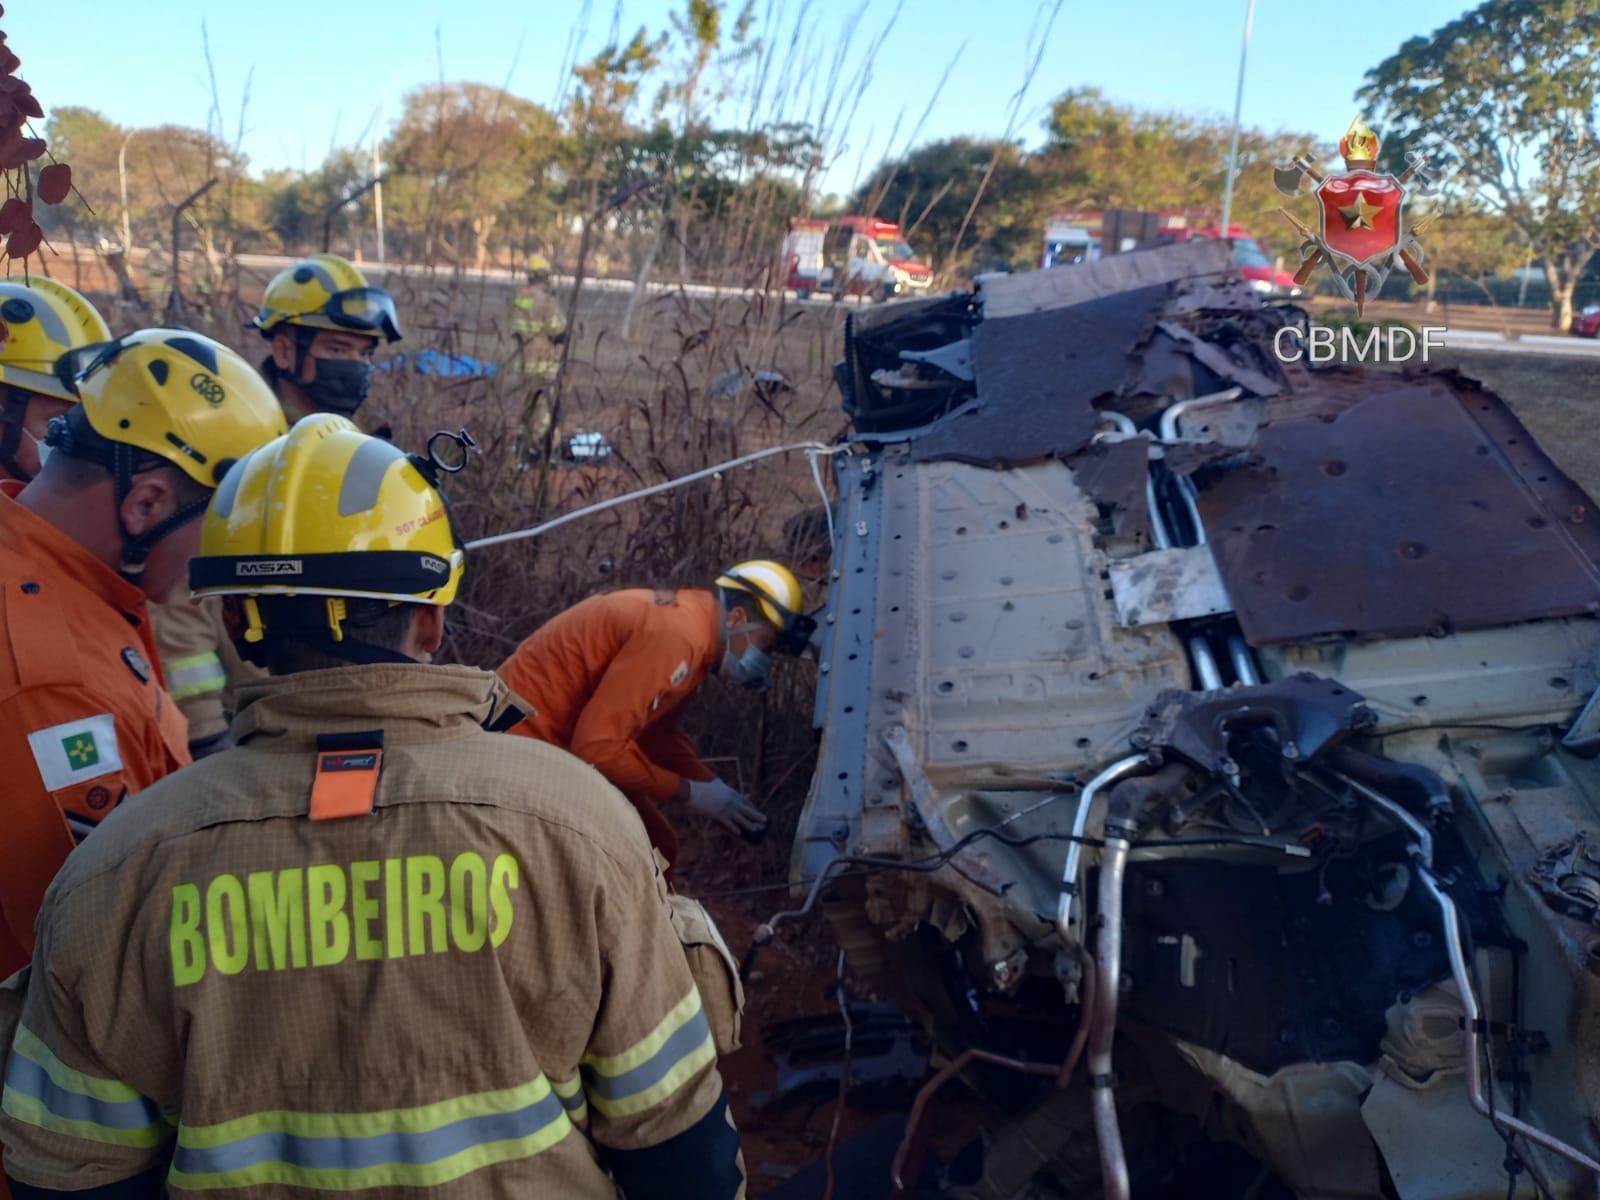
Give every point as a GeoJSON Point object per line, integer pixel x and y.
{"type": "Point", "coordinates": [779, 600]}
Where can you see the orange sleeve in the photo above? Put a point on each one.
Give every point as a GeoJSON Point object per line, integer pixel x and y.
{"type": "Point", "coordinates": [50, 736]}
{"type": "Point", "coordinates": [649, 676]}
{"type": "Point", "coordinates": [670, 747]}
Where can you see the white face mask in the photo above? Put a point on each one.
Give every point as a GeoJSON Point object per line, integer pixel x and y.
{"type": "Point", "coordinates": [43, 449]}
{"type": "Point", "coordinates": [751, 669]}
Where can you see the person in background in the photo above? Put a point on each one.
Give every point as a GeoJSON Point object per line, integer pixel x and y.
{"type": "Point", "coordinates": [323, 323]}
{"type": "Point", "coordinates": [536, 321]}
{"type": "Point", "coordinates": [40, 320]}
{"type": "Point", "coordinates": [610, 677]}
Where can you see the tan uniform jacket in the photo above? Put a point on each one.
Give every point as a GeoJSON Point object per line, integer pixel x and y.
{"type": "Point", "coordinates": [536, 321]}
{"type": "Point", "coordinates": [472, 987]}
{"type": "Point", "coordinates": [203, 668]}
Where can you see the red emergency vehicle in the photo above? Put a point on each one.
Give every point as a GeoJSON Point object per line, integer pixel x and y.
{"type": "Point", "coordinates": [853, 256]}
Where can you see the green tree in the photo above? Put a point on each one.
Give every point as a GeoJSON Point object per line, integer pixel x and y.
{"type": "Point", "coordinates": [163, 165]}
{"type": "Point", "coordinates": [928, 192]}
{"type": "Point", "coordinates": [298, 202]}
{"type": "Point", "coordinates": [89, 141]}
{"type": "Point", "coordinates": [705, 46]}
{"type": "Point", "coordinates": [599, 115]}
{"type": "Point", "coordinates": [1471, 244]}
{"type": "Point", "coordinates": [1101, 155]}
{"type": "Point", "coordinates": [465, 156]}
{"type": "Point", "coordinates": [1507, 95]}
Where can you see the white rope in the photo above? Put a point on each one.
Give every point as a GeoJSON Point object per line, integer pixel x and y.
{"type": "Point", "coordinates": [813, 449]}
{"type": "Point", "coordinates": [822, 491]}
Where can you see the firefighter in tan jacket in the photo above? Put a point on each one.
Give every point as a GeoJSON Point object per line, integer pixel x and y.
{"type": "Point", "coordinates": [374, 945]}
{"type": "Point", "coordinates": [323, 322]}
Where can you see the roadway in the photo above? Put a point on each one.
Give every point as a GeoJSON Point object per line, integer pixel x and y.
{"type": "Point", "coordinates": [1455, 338]}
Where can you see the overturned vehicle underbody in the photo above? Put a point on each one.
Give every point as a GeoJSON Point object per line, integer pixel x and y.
{"type": "Point", "coordinates": [1232, 725]}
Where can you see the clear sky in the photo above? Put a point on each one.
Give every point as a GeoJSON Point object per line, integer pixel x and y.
{"type": "Point", "coordinates": [323, 70]}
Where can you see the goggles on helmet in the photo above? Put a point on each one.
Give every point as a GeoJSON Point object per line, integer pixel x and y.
{"type": "Point", "coordinates": [365, 310]}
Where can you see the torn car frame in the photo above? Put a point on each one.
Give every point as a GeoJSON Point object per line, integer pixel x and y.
{"type": "Point", "coordinates": [1296, 790]}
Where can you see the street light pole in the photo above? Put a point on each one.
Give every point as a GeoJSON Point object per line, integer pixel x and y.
{"type": "Point", "coordinates": [1233, 142]}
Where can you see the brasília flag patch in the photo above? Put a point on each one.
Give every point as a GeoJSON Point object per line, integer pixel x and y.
{"type": "Point", "coordinates": [76, 751]}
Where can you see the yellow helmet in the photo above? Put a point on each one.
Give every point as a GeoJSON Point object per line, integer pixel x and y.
{"type": "Point", "coordinates": [41, 320]}
{"type": "Point", "coordinates": [773, 586]}
{"type": "Point", "coordinates": [538, 264]}
{"type": "Point", "coordinates": [174, 394]}
{"type": "Point", "coordinates": [329, 511]}
{"type": "Point", "coordinates": [325, 291]}
{"type": "Point", "coordinates": [162, 396]}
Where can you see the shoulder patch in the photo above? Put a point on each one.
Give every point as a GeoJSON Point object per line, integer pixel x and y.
{"type": "Point", "coordinates": [76, 751]}
{"type": "Point", "coordinates": [680, 673]}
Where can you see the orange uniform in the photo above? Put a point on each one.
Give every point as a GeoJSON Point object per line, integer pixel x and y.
{"type": "Point", "coordinates": [608, 679]}
{"type": "Point", "coordinates": [85, 718]}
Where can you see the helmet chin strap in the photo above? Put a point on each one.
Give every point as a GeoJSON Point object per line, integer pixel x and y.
{"type": "Point", "coordinates": [136, 547]}
{"type": "Point", "coordinates": [12, 414]}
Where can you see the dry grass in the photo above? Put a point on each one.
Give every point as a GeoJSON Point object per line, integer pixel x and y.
{"type": "Point", "coordinates": [1556, 398]}
{"type": "Point", "coordinates": [657, 400]}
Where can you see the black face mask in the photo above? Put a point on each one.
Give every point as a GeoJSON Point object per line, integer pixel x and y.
{"type": "Point", "coordinates": [339, 384]}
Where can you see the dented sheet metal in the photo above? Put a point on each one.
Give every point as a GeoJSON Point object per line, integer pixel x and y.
{"type": "Point", "coordinates": [1014, 295]}
{"type": "Point", "coordinates": [1219, 363]}
{"type": "Point", "coordinates": [1113, 474]}
{"type": "Point", "coordinates": [1038, 377]}
{"type": "Point", "coordinates": [997, 638]}
{"type": "Point", "coordinates": [1424, 507]}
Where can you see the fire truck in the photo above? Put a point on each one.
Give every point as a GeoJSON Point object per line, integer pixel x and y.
{"type": "Point", "coordinates": [1078, 237]}
{"type": "Point", "coordinates": [853, 256]}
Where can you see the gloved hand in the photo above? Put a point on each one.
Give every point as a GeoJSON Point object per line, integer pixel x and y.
{"type": "Point", "coordinates": [715, 799]}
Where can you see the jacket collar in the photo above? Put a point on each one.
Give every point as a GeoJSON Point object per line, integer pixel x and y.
{"type": "Point", "coordinates": [707, 602]}
{"type": "Point", "coordinates": [27, 538]}
{"type": "Point", "coordinates": [411, 702]}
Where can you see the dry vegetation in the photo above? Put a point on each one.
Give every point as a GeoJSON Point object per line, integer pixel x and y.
{"type": "Point", "coordinates": [663, 402]}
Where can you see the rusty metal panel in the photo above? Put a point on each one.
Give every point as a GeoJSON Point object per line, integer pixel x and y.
{"type": "Point", "coordinates": [1034, 291]}
{"type": "Point", "coordinates": [1038, 376]}
{"type": "Point", "coordinates": [1218, 361]}
{"type": "Point", "coordinates": [1423, 507]}
{"type": "Point", "coordinates": [1112, 474]}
